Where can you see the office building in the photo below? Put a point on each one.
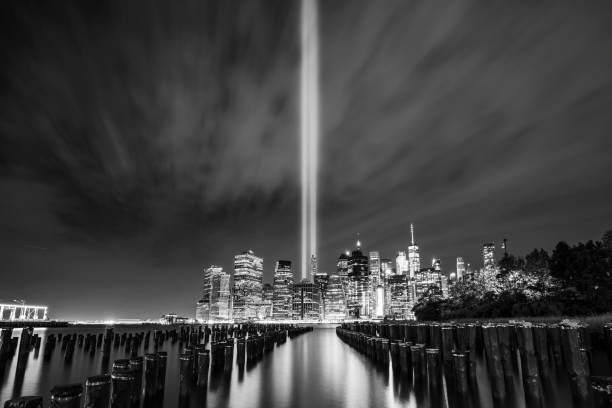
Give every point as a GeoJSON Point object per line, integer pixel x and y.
{"type": "Point", "coordinates": [248, 286]}
{"type": "Point", "coordinates": [282, 299]}
{"type": "Point", "coordinates": [306, 301]}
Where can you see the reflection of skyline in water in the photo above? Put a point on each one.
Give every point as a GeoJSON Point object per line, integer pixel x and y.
{"type": "Point", "coordinates": [315, 369]}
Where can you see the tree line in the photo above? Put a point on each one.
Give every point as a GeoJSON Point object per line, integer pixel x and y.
{"type": "Point", "coordinates": [574, 280]}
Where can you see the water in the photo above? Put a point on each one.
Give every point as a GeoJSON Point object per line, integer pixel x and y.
{"type": "Point", "coordinates": [315, 369]}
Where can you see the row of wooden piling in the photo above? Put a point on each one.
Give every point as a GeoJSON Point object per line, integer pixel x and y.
{"type": "Point", "coordinates": [420, 349]}
{"type": "Point", "coordinates": [138, 378]}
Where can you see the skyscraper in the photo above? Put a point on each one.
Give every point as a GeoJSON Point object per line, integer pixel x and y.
{"type": "Point", "coordinates": [358, 301]}
{"type": "Point", "coordinates": [342, 265]}
{"type": "Point", "coordinates": [397, 305]}
{"type": "Point", "coordinates": [386, 266]}
{"type": "Point", "coordinates": [414, 260]}
{"type": "Point", "coordinates": [321, 280]}
{"type": "Point", "coordinates": [436, 264]}
{"type": "Point", "coordinates": [488, 255]}
{"type": "Point", "coordinates": [335, 300]}
{"type": "Point", "coordinates": [460, 268]}
{"type": "Point", "coordinates": [401, 264]}
{"type": "Point", "coordinates": [282, 298]}
{"type": "Point", "coordinates": [216, 299]}
{"type": "Point", "coordinates": [248, 281]}
{"type": "Point", "coordinates": [314, 267]}
{"type": "Point", "coordinates": [268, 300]}
{"type": "Point", "coordinates": [306, 298]}
{"type": "Point", "coordinates": [376, 283]}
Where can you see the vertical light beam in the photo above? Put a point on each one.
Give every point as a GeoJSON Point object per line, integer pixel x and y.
{"type": "Point", "coordinates": [309, 130]}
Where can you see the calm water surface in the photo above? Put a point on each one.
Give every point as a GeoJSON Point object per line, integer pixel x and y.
{"type": "Point", "coordinates": [315, 369]}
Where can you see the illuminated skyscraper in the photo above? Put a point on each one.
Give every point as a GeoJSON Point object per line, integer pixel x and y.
{"type": "Point", "coordinates": [358, 299]}
{"type": "Point", "coordinates": [342, 265]}
{"type": "Point", "coordinates": [401, 264]}
{"type": "Point", "coordinates": [248, 285]}
{"type": "Point", "coordinates": [376, 282]}
{"type": "Point", "coordinates": [282, 298]}
{"type": "Point", "coordinates": [335, 300]}
{"type": "Point", "coordinates": [306, 298]}
{"type": "Point", "coordinates": [436, 264]}
{"type": "Point", "coordinates": [216, 299]}
{"type": "Point", "coordinates": [460, 268]}
{"type": "Point", "coordinates": [321, 280]}
{"type": "Point", "coordinates": [398, 306]}
{"type": "Point", "coordinates": [488, 255]}
{"type": "Point", "coordinates": [427, 278]}
{"type": "Point", "coordinates": [386, 267]}
{"type": "Point", "coordinates": [268, 300]}
{"type": "Point", "coordinates": [414, 260]}
{"type": "Point", "coordinates": [314, 267]}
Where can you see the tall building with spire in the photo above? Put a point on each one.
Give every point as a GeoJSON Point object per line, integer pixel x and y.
{"type": "Point", "coordinates": [358, 284]}
{"type": "Point", "coordinates": [414, 260]}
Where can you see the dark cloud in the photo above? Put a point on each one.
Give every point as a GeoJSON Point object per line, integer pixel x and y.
{"type": "Point", "coordinates": [143, 140]}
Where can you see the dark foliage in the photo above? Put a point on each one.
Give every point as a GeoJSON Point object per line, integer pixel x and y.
{"type": "Point", "coordinates": [574, 280]}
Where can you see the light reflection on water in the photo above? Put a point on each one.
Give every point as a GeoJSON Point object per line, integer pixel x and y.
{"type": "Point", "coordinates": [315, 369]}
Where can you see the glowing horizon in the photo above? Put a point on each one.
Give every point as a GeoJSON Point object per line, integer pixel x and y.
{"type": "Point", "coordinates": [309, 131]}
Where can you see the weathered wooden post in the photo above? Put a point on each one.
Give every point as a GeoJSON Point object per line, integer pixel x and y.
{"type": "Point", "coordinates": [161, 373]}
{"type": "Point", "coordinates": [122, 380]}
{"type": "Point", "coordinates": [503, 335]}
{"type": "Point", "coordinates": [447, 347]}
{"type": "Point", "coordinates": [403, 357]}
{"type": "Point", "coordinates": [554, 339]}
{"type": "Point", "coordinates": [395, 356]}
{"type": "Point", "coordinates": [24, 402]}
{"type": "Point", "coordinates": [540, 339]}
{"type": "Point", "coordinates": [434, 374]}
{"type": "Point", "coordinates": [576, 367]}
{"type": "Point", "coordinates": [98, 391]}
{"type": "Point", "coordinates": [529, 367]}
{"type": "Point", "coordinates": [203, 364]}
{"type": "Point", "coordinates": [229, 356]}
{"type": "Point", "coordinates": [136, 366]}
{"type": "Point", "coordinates": [66, 396]}
{"type": "Point", "coordinates": [150, 377]}
{"type": "Point", "coordinates": [185, 373]}
{"type": "Point", "coordinates": [461, 377]}
{"type": "Point", "coordinates": [491, 343]}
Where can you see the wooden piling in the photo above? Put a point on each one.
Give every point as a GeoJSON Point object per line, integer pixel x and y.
{"type": "Point", "coordinates": [122, 380]}
{"type": "Point", "coordinates": [434, 373]}
{"type": "Point", "coordinates": [25, 402]}
{"type": "Point", "coordinates": [66, 396]}
{"type": "Point", "coordinates": [203, 364]}
{"type": "Point", "coordinates": [494, 363]}
{"type": "Point", "coordinates": [529, 367]}
{"type": "Point", "coordinates": [150, 377]}
{"type": "Point", "coordinates": [576, 366]}
{"type": "Point", "coordinates": [460, 374]}
{"type": "Point", "coordinates": [185, 373]}
{"type": "Point", "coordinates": [97, 391]}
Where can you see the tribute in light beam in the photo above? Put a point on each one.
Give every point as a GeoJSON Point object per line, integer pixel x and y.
{"type": "Point", "coordinates": [309, 131]}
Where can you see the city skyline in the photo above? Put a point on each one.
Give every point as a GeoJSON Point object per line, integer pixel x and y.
{"type": "Point", "coordinates": [140, 144]}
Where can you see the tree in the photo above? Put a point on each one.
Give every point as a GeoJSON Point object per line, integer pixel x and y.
{"type": "Point", "coordinates": [607, 240]}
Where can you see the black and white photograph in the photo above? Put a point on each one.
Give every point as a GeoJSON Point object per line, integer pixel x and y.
{"type": "Point", "coordinates": [305, 204]}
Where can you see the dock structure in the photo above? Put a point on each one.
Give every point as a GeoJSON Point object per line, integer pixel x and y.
{"type": "Point", "coordinates": [22, 312]}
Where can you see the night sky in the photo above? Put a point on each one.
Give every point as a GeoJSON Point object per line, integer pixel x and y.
{"type": "Point", "coordinates": [142, 141]}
